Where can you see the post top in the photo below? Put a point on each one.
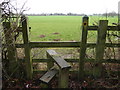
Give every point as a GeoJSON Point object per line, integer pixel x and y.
{"type": "Point", "coordinates": [85, 16]}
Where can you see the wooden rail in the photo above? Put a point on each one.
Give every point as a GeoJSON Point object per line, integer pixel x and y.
{"type": "Point", "coordinates": [62, 45]}
{"type": "Point", "coordinates": [109, 28]}
{"type": "Point", "coordinates": [75, 60]}
{"type": "Point", "coordinates": [86, 60]}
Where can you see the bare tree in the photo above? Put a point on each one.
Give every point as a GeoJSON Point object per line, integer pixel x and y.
{"type": "Point", "coordinates": [9, 13]}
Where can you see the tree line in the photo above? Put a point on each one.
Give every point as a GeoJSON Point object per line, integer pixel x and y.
{"type": "Point", "coordinates": [109, 14]}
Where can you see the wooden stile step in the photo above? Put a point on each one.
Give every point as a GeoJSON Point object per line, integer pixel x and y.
{"type": "Point", "coordinates": [58, 59]}
{"type": "Point", "coordinates": [47, 77]}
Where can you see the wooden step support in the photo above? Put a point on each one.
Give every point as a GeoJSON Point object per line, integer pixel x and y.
{"type": "Point", "coordinates": [64, 67]}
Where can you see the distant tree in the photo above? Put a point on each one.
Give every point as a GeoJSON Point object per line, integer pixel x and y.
{"type": "Point", "coordinates": [110, 14]}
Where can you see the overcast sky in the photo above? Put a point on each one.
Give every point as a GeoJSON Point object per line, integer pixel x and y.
{"type": "Point", "coordinates": [66, 6]}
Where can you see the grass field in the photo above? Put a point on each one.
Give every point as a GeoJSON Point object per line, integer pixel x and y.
{"type": "Point", "coordinates": [61, 28]}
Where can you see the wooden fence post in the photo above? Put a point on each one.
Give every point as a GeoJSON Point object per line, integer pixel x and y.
{"type": "Point", "coordinates": [28, 59]}
{"type": "Point", "coordinates": [119, 32]}
{"type": "Point", "coordinates": [63, 78]}
{"type": "Point", "coordinates": [83, 46]}
{"type": "Point", "coordinates": [12, 53]}
{"type": "Point", "coordinates": [50, 62]}
{"type": "Point", "coordinates": [101, 39]}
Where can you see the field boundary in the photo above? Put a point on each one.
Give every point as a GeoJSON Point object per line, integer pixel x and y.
{"type": "Point", "coordinates": [100, 45]}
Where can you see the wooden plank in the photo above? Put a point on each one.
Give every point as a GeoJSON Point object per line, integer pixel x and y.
{"type": "Point", "coordinates": [61, 62]}
{"type": "Point", "coordinates": [48, 76]}
{"type": "Point", "coordinates": [60, 45]}
{"type": "Point", "coordinates": [86, 60]}
{"type": "Point", "coordinates": [76, 60]}
{"type": "Point", "coordinates": [74, 71]}
{"type": "Point", "coordinates": [54, 44]}
{"type": "Point", "coordinates": [83, 46]}
{"type": "Point", "coordinates": [109, 28]}
{"type": "Point", "coordinates": [101, 39]}
{"type": "Point", "coordinates": [92, 28]}
{"type": "Point", "coordinates": [28, 59]}
{"type": "Point", "coordinates": [58, 60]}
{"type": "Point", "coordinates": [113, 28]}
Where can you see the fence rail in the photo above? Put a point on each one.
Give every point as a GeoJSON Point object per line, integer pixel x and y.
{"type": "Point", "coordinates": [61, 45]}
{"type": "Point", "coordinates": [109, 28]}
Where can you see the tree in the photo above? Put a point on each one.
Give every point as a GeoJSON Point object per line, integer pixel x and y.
{"type": "Point", "coordinates": [11, 21]}
{"type": "Point", "coordinates": [110, 14]}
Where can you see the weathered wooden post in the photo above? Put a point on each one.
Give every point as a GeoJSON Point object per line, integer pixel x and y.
{"type": "Point", "coordinates": [119, 32]}
{"type": "Point", "coordinates": [27, 49]}
{"type": "Point", "coordinates": [12, 53]}
{"type": "Point", "coordinates": [83, 46]}
{"type": "Point", "coordinates": [119, 26]}
{"type": "Point", "coordinates": [50, 62]}
{"type": "Point", "coordinates": [63, 78]}
{"type": "Point", "coordinates": [0, 49]}
{"type": "Point", "coordinates": [101, 40]}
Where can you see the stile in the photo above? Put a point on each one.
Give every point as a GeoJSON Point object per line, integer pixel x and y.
{"type": "Point", "coordinates": [54, 57]}
{"type": "Point", "coordinates": [83, 47]}
{"type": "Point", "coordinates": [101, 39]}
{"type": "Point", "coordinates": [27, 49]}
{"type": "Point", "coordinates": [63, 68]}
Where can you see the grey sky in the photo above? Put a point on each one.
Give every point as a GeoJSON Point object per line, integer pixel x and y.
{"type": "Point", "coordinates": [66, 6]}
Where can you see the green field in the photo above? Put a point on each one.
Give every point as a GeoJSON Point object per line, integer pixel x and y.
{"type": "Point", "coordinates": [61, 28]}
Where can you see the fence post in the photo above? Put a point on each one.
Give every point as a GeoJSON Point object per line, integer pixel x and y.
{"type": "Point", "coordinates": [27, 49]}
{"type": "Point", "coordinates": [11, 49]}
{"type": "Point", "coordinates": [119, 33]}
{"type": "Point", "coordinates": [0, 51]}
{"type": "Point", "coordinates": [101, 39]}
{"type": "Point", "coordinates": [50, 62]}
{"type": "Point", "coordinates": [63, 78]}
{"type": "Point", "coordinates": [83, 46]}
